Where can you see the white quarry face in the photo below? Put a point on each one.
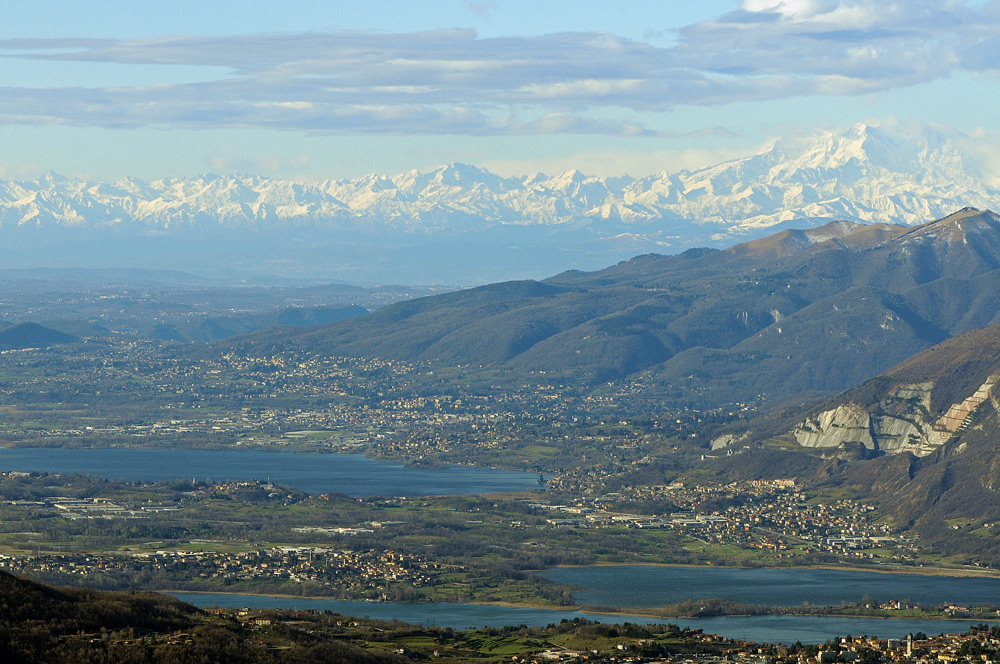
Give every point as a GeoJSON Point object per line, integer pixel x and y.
{"type": "Point", "coordinates": [908, 429]}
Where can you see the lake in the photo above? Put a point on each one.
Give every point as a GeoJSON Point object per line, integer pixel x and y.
{"type": "Point", "coordinates": [638, 585]}
{"type": "Point", "coordinates": [643, 585]}
{"type": "Point", "coordinates": [763, 629]}
{"type": "Point", "coordinates": [352, 474]}
{"type": "Point", "coordinates": [622, 586]}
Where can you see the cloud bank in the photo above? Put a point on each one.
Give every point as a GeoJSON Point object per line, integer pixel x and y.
{"type": "Point", "coordinates": [452, 82]}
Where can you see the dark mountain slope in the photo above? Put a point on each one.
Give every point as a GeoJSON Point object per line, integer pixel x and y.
{"type": "Point", "coordinates": [478, 323]}
{"type": "Point", "coordinates": [23, 601]}
{"type": "Point", "coordinates": [40, 624]}
{"type": "Point", "coordinates": [32, 335]}
{"type": "Point", "coordinates": [957, 367]}
{"type": "Point", "coordinates": [939, 467]}
{"type": "Point", "coordinates": [37, 621]}
{"type": "Point", "coordinates": [832, 339]}
{"type": "Point", "coordinates": [950, 498]}
{"type": "Point", "coordinates": [164, 332]}
{"type": "Point", "coordinates": [817, 310]}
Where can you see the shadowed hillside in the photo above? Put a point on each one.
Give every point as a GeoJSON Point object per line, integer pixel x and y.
{"type": "Point", "coordinates": [916, 440]}
{"type": "Point", "coordinates": [32, 335]}
{"type": "Point", "coordinates": [801, 311]}
{"type": "Point", "coordinates": [40, 624]}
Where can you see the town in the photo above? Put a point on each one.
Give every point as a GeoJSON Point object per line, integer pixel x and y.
{"type": "Point", "coordinates": [138, 394]}
{"type": "Point", "coordinates": [256, 537]}
{"type": "Point", "coordinates": [613, 486]}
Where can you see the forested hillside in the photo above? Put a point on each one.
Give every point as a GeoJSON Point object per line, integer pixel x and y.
{"type": "Point", "coordinates": [813, 311]}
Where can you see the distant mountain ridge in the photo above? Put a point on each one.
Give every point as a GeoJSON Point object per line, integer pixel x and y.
{"type": "Point", "coordinates": [214, 328]}
{"type": "Point", "coordinates": [800, 311]}
{"type": "Point", "coordinates": [892, 174]}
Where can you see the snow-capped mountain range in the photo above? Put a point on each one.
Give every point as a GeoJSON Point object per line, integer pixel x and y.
{"type": "Point", "coordinates": [894, 174]}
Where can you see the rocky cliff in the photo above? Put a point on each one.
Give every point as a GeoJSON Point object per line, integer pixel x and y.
{"type": "Point", "coordinates": [900, 422]}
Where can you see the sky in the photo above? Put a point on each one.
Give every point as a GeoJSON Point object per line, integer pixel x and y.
{"type": "Point", "coordinates": [319, 89]}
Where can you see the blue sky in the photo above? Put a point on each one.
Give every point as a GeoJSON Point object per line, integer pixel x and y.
{"type": "Point", "coordinates": [315, 90]}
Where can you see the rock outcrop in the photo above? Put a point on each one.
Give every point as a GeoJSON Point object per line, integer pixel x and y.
{"type": "Point", "coordinates": [900, 422]}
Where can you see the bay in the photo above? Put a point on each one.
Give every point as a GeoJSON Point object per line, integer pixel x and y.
{"type": "Point", "coordinates": [762, 629]}
{"type": "Point", "coordinates": [352, 474]}
{"type": "Point", "coordinates": [644, 585]}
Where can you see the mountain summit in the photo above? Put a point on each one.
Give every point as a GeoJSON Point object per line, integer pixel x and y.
{"type": "Point", "coordinates": [393, 227]}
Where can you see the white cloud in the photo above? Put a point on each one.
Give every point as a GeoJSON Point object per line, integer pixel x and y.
{"type": "Point", "coordinates": [450, 81]}
{"type": "Point", "coordinates": [795, 8]}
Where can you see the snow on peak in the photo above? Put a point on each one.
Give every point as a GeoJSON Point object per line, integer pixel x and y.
{"type": "Point", "coordinates": [891, 173]}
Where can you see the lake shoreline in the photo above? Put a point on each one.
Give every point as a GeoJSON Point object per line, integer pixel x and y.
{"type": "Point", "coordinates": [951, 572]}
{"type": "Point", "coordinates": [769, 628]}
{"type": "Point", "coordinates": [640, 611]}
{"type": "Point", "coordinates": [348, 473]}
{"type": "Point", "coordinates": [327, 598]}
{"type": "Point", "coordinates": [623, 612]}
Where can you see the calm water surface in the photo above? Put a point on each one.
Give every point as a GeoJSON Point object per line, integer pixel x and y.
{"type": "Point", "coordinates": [637, 585]}
{"type": "Point", "coordinates": [763, 629]}
{"type": "Point", "coordinates": [351, 474]}
{"type": "Point", "coordinates": [622, 586]}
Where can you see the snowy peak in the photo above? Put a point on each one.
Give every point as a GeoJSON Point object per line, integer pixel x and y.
{"type": "Point", "coordinates": [893, 174]}
{"type": "Point", "coordinates": [890, 174]}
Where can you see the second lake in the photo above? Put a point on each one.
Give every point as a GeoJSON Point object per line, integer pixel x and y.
{"type": "Point", "coordinates": [644, 585]}
{"type": "Point", "coordinates": [352, 474]}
